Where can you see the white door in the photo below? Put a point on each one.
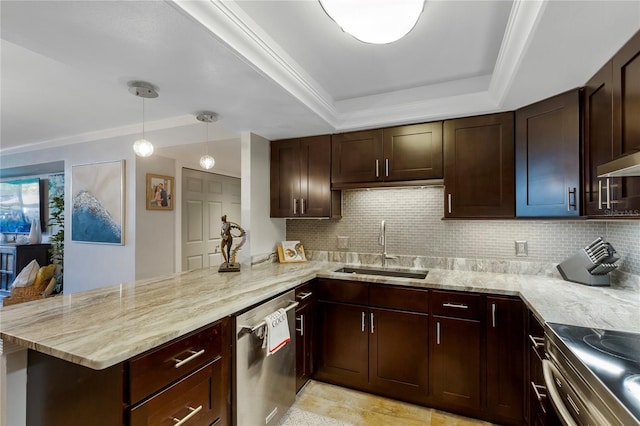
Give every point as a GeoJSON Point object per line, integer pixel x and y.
{"type": "Point", "coordinates": [205, 198]}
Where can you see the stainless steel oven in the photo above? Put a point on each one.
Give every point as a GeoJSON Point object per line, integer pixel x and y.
{"type": "Point", "coordinates": [592, 376]}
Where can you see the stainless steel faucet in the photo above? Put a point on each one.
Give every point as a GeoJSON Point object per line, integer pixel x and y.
{"type": "Point", "coordinates": [382, 240]}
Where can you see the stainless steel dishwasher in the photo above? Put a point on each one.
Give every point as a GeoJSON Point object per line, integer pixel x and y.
{"type": "Point", "coordinates": [263, 387]}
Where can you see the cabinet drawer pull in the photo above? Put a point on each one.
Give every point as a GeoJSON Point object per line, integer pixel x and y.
{"type": "Point", "coordinates": [608, 194]}
{"type": "Point", "coordinates": [362, 324]}
{"type": "Point", "coordinates": [449, 202]}
{"type": "Point", "coordinates": [386, 167]}
{"type": "Point", "coordinates": [371, 322]}
{"type": "Point", "coordinates": [303, 296]}
{"type": "Point", "coordinates": [301, 205]}
{"type": "Point", "coordinates": [186, 418]}
{"type": "Point", "coordinates": [295, 206]}
{"type": "Point", "coordinates": [377, 168]}
{"type": "Point", "coordinates": [575, 199]}
{"type": "Point", "coordinates": [455, 305]}
{"type": "Point", "coordinates": [438, 333]}
{"type": "Point", "coordinates": [536, 389]}
{"type": "Point", "coordinates": [194, 355]}
{"type": "Point", "coordinates": [301, 329]}
{"type": "Point", "coordinates": [538, 342]}
{"type": "Point", "coordinates": [599, 194]}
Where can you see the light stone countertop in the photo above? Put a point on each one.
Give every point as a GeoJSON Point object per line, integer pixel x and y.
{"type": "Point", "coordinates": [102, 327]}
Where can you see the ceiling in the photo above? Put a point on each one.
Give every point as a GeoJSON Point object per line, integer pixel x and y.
{"type": "Point", "coordinates": [281, 68]}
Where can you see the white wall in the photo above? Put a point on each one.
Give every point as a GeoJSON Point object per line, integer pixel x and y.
{"type": "Point", "coordinates": [155, 229]}
{"type": "Point", "coordinates": [263, 232]}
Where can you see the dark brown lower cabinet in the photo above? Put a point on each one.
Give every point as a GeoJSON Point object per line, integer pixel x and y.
{"type": "Point", "coordinates": [456, 364]}
{"type": "Point", "coordinates": [505, 359]}
{"type": "Point", "coordinates": [399, 353]}
{"type": "Point", "coordinates": [305, 333]}
{"type": "Point", "coordinates": [154, 388]}
{"type": "Point", "coordinates": [343, 355]}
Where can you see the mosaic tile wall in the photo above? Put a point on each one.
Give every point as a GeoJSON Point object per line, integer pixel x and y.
{"type": "Point", "coordinates": [415, 227]}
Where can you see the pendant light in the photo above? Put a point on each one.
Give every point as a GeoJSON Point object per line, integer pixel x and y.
{"type": "Point", "coordinates": [377, 22]}
{"type": "Point", "coordinates": [206, 161]}
{"type": "Point", "coordinates": [142, 147]}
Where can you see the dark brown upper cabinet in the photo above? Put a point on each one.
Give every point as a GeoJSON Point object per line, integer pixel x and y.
{"type": "Point", "coordinates": [479, 167]}
{"type": "Point", "coordinates": [611, 130]}
{"type": "Point", "coordinates": [385, 157]}
{"type": "Point", "coordinates": [548, 157]}
{"type": "Point", "coordinates": [301, 178]}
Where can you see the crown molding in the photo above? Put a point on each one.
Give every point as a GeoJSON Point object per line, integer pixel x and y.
{"type": "Point", "coordinates": [230, 24]}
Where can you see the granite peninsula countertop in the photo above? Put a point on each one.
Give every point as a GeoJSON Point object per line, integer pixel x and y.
{"type": "Point", "coordinates": [100, 328]}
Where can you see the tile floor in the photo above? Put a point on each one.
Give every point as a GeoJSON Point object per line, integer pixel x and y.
{"type": "Point", "coordinates": [321, 404]}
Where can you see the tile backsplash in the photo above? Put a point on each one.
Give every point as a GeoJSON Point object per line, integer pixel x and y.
{"type": "Point", "coordinates": [415, 227]}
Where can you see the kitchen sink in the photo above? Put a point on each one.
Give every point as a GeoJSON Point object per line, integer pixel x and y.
{"type": "Point", "coordinates": [383, 272]}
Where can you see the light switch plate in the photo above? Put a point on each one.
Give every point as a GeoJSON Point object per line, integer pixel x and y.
{"type": "Point", "coordinates": [343, 242]}
{"type": "Point", "coordinates": [522, 248]}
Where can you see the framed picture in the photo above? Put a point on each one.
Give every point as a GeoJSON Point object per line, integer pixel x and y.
{"type": "Point", "coordinates": [291, 252]}
{"type": "Point", "coordinates": [160, 192]}
{"type": "Point", "coordinates": [98, 211]}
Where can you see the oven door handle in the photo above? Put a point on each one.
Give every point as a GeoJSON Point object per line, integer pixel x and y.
{"type": "Point", "coordinates": [548, 370]}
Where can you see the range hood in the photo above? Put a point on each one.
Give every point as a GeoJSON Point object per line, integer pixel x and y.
{"type": "Point", "coordinates": [629, 165]}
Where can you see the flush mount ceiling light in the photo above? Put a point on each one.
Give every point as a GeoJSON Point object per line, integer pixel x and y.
{"type": "Point", "coordinates": [206, 161]}
{"type": "Point", "coordinates": [374, 21]}
{"type": "Point", "coordinates": [142, 147]}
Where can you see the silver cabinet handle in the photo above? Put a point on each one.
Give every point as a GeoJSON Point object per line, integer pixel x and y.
{"type": "Point", "coordinates": [377, 168]}
{"type": "Point", "coordinates": [599, 194]}
{"type": "Point", "coordinates": [455, 305]}
{"type": "Point", "coordinates": [303, 296]}
{"type": "Point", "coordinates": [295, 206]}
{"type": "Point", "coordinates": [493, 314]}
{"type": "Point", "coordinates": [386, 167]}
{"type": "Point", "coordinates": [556, 399]}
{"type": "Point", "coordinates": [301, 329]}
{"type": "Point", "coordinates": [193, 412]}
{"type": "Point", "coordinates": [573, 405]}
{"type": "Point", "coordinates": [537, 389]}
{"type": "Point", "coordinates": [194, 355]}
{"type": "Point", "coordinates": [538, 342]}
{"type": "Point", "coordinates": [449, 202]}
{"type": "Point", "coordinates": [371, 322]}
{"type": "Point", "coordinates": [438, 333]}
{"type": "Point", "coordinates": [608, 194]}
{"type": "Point", "coordinates": [362, 325]}
{"type": "Point", "coordinates": [575, 199]}
{"type": "Point", "coordinates": [301, 205]}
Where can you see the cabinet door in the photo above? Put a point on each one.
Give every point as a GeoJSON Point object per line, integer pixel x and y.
{"type": "Point", "coordinates": [626, 121]}
{"type": "Point", "coordinates": [315, 177]}
{"type": "Point", "coordinates": [343, 344]}
{"type": "Point", "coordinates": [455, 361]}
{"type": "Point", "coordinates": [548, 157]}
{"type": "Point", "coordinates": [413, 152]}
{"type": "Point", "coordinates": [285, 177]}
{"type": "Point", "coordinates": [304, 341]}
{"type": "Point", "coordinates": [357, 157]}
{"type": "Point", "coordinates": [505, 359]}
{"type": "Point", "coordinates": [598, 147]}
{"type": "Point", "coordinates": [399, 353]}
{"type": "Point", "coordinates": [479, 166]}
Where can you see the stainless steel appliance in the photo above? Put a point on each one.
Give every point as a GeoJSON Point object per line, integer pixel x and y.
{"type": "Point", "coordinates": [591, 265]}
{"type": "Point", "coordinates": [592, 376]}
{"type": "Point", "coordinates": [264, 387]}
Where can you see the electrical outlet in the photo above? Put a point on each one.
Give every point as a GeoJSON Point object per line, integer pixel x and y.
{"type": "Point", "coordinates": [522, 248]}
{"type": "Point", "coordinates": [343, 242]}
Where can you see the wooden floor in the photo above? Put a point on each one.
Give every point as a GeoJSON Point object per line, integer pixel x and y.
{"type": "Point", "coordinates": [322, 404]}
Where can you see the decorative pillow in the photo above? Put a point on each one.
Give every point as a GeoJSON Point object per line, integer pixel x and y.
{"type": "Point", "coordinates": [44, 275]}
{"type": "Point", "coordinates": [27, 276]}
{"type": "Point", "coordinates": [47, 291]}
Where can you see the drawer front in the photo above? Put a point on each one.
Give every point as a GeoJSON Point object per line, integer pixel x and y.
{"type": "Point", "coordinates": [404, 298]}
{"type": "Point", "coordinates": [343, 291]}
{"type": "Point", "coordinates": [154, 370]}
{"type": "Point", "coordinates": [305, 292]}
{"type": "Point", "coordinates": [457, 304]}
{"type": "Point", "coordinates": [191, 400]}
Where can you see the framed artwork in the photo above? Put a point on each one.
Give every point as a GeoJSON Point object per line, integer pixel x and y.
{"type": "Point", "coordinates": [291, 252]}
{"type": "Point", "coordinates": [160, 192]}
{"type": "Point", "coordinates": [97, 214]}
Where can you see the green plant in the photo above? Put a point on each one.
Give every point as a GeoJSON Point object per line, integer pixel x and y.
{"type": "Point", "coordinates": [56, 223]}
